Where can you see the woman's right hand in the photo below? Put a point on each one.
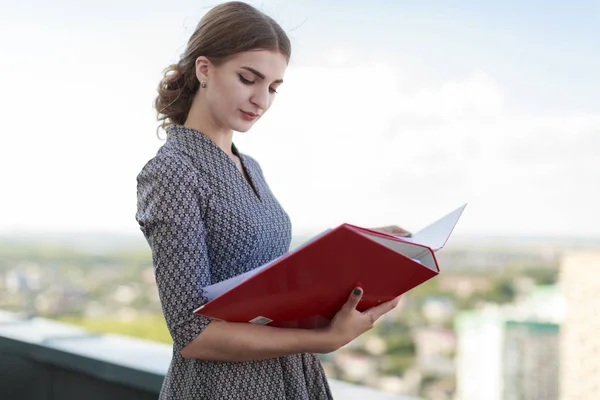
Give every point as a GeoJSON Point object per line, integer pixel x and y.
{"type": "Point", "coordinates": [349, 323]}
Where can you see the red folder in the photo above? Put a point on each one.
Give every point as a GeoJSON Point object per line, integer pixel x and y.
{"type": "Point", "coordinates": [306, 287]}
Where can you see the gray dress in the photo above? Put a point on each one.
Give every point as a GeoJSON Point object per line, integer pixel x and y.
{"type": "Point", "coordinates": [205, 223]}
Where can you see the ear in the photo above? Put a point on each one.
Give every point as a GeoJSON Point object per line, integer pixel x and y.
{"type": "Point", "coordinates": [203, 64]}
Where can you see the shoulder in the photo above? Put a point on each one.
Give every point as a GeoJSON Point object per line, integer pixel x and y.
{"type": "Point", "coordinates": [166, 166]}
{"type": "Point", "coordinates": [171, 168]}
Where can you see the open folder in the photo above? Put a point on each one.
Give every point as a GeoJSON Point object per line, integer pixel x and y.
{"type": "Point", "coordinates": [304, 288]}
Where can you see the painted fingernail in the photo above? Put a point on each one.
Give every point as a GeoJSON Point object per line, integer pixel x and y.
{"type": "Point", "coordinates": [357, 292]}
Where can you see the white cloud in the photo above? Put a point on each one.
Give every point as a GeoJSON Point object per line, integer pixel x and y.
{"type": "Point", "coordinates": [363, 144]}
{"type": "Point", "coordinates": [360, 145]}
{"type": "Point", "coordinates": [473, 98]}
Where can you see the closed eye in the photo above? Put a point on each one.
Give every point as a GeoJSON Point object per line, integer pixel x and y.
{"type": "Point", "coordinates": [244, 80]}
{"type": "Point", "coordinates": [249, 82]}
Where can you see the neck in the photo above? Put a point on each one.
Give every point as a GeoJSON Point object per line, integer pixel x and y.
{"type": "Point", "coordinates": [200, 119]}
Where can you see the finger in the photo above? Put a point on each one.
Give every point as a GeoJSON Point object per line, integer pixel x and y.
{"type": "Point", "coordinates": [378, 311]}
{"type": "Point", "coordinates": [353, 299]}
{"type": "Point", "coordinates": [396, 230]}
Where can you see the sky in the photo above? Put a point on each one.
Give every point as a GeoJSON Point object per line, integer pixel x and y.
{"type": "Point", "coordinates": [392, 112]}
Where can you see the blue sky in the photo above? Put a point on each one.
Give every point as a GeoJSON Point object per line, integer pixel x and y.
{"type": "Point", "coordinates": [544, 53]}
{"type": "Point", "coordinates": [408, 110]}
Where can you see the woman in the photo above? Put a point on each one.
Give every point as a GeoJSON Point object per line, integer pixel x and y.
{"type": "Point", "coordinates": [208, 214]}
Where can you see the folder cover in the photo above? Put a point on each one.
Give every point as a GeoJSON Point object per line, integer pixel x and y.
{"type": "Point", "coordinates": [306, 287]}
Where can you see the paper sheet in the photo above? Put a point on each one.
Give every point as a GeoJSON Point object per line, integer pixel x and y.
{"type": "Point", "coordinates": [436, 234]}
{"type": "Point", "coordinates": [433, 236]}
{"type": "Point", "coordinates": [219, 288]}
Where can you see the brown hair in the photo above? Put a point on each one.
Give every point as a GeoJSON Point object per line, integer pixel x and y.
{"type": "Point", "coordinates": [226, 30]}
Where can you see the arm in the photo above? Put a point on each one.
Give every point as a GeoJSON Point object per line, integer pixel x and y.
{"type": "Point", "coordinates": [170, 215]}
{"type": "Point", "coordinates": [228, 341]}
{"type": "Point", "coordinates": [225, 341]}
{"type": "Point", "coordinates": [170, 210]}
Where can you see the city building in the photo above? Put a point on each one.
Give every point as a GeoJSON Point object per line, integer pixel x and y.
{"type": "Point", "coordinates": [511, 352]}
{"type": "Point", "coordinates": [530, 361]}
{"type": "Point", "coordinates": [580, 335]}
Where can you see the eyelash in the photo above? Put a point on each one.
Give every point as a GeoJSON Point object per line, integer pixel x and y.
{"type": "Point", "coordinates": [249, 82]}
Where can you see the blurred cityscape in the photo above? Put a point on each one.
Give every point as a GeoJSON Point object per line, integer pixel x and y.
{"type": "Point", "coordinates": [505, 319]}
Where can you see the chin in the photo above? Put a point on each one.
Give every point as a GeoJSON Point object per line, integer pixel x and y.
{"type": "Point", "coordinates": [242, 129]}
{"type": "Point", "coordinates": [242, 126]}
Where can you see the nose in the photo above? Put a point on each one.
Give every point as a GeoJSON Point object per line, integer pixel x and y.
{"type": "Point", "coordinates": [261, 98]}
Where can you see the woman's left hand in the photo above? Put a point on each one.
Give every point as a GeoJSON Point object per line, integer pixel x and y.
{"type": "Point", "coordinates": [393, 230]}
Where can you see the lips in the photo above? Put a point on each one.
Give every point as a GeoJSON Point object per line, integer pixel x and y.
{"type": "Point", "coordinates": [249, 116]}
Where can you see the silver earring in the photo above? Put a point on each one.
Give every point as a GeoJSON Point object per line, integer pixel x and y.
{"type": "Point", "coordinates": [203, 84]}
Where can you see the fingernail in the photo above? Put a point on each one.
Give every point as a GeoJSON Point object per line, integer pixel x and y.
{"type": "Point", "coordinates": [357, 292]}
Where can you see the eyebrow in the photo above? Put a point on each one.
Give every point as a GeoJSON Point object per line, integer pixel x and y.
{"type": "Point", "coordinates": [258, 74]}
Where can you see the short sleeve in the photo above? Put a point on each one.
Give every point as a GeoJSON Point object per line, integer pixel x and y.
{"type": "Point", "coordinates": [169, 213]}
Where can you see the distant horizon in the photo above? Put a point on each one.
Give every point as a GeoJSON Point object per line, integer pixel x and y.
{"type": "Point", "coordinates": [459, 237]}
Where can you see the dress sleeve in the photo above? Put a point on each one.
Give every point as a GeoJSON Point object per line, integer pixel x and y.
{"type": "Point", "coordinates": [169, 213]}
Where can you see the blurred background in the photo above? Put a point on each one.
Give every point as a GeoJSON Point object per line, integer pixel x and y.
{"type": "Point", "coordinates": [392, 112]}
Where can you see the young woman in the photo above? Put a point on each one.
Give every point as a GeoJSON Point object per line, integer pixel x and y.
{"type": "Point", "coordinates": [208, 214]}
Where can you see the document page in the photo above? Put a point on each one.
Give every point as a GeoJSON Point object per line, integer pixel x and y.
{"type": "Point", "coordinates": [436, 234]}
{"type": "Point", "coordinates": [219, 288]}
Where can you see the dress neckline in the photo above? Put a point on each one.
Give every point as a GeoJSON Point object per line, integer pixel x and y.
{"type": "Point", "coordinates": [196, 143]}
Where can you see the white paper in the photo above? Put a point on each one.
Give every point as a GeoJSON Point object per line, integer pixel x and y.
{"type": "Point", "coordinates": [433, 236]}
{"type": "Point", "coordinates": [436, 234]}
{"type": "Point", "coordinates": [219, 288]}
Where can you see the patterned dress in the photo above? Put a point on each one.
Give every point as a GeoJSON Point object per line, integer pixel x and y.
{"type": "Point", "coordinates": [205, 223]}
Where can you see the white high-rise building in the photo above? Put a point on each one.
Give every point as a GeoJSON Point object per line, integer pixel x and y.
{"type": "Point", "coordinates": [511, 352]}
{"type": "Point", "coordinates": [580, 334]}
{"type": "Point", "coordinates": [530, 361]}
{"type": "Point", "coordinates": [479, 355]}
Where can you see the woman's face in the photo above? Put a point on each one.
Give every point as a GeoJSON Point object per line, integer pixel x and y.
{"type": "Point", "coordinates": [242, 89]}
